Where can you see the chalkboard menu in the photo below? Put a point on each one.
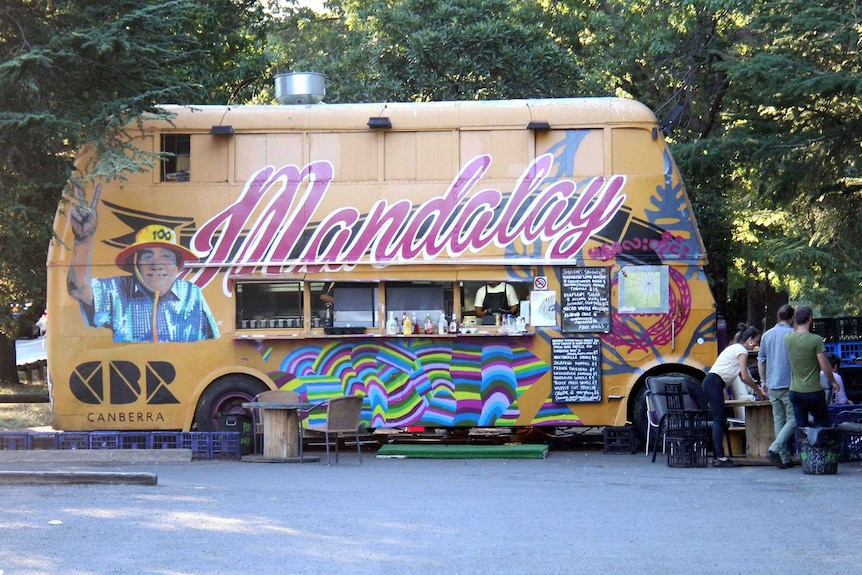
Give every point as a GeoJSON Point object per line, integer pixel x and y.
{"type": "Point", "coordinates": [586, 300]}
{"type": "Point", "coordinates": [576, 369]}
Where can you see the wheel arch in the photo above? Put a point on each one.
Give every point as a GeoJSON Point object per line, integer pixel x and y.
{"type": "Point", "coordinates": [231, 384]}
{"type": "Point", "coordinates": [636, 408]}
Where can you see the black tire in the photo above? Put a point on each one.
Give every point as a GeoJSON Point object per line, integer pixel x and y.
{"type": "Point", "coordinates": [639, 417]}
{"type": "Point", "coordinates": [226, 394]}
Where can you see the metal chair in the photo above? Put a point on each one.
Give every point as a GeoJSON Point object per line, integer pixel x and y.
{"type": "Point", "coordinates": [271, 396]}
{"type": "Point", "coordinates": [342, 416]}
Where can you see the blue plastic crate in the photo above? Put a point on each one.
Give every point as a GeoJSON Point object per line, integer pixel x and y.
{"type": "Point", "coordinates": [14, 440]}
{"type": "Point", "coordinates": [225, 445]}
{"type": "Point", "coordinates": [43, 440]}
{"type": "Point", "coordinates": [198, 442]}
{"type": "Point", "coordinates": [104, 440]}
{"type": "Point", "coordinates": [165, 440]}
{"type": "Point", "coordinates": [73, 440]}
{"type": "Point", "coordinates": [135, 440]}
{"type": "Point", "coordinates": [849, 351]}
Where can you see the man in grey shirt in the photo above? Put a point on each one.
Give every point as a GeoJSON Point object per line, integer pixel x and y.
{"type": "Point", "coordinates": [773, 365]}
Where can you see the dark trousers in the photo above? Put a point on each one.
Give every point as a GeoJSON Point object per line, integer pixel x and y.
{"type": "Point", "coordinates": [713, 389]}
{"type": "Point", "coordinates": [812, 403]}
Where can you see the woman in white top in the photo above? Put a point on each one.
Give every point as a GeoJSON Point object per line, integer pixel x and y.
{"type": "Point", "coordinates": [840, 396]}
{"type": "Point", "coordinates": [730, 364]}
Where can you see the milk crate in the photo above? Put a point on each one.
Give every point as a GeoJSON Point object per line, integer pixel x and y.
{"type": "Point", "coordinates": [134, 440]}
{"type": "Point", "coordinates": [43, 440]}
{"type": "Point", "coordinates": [825, 327]}
{"type": "Point", "coordinates": [14, 440]}
{"type": "Point", "coordinates": [619, 439]}
{"type": "Point", "coordinates": [852, 377]}
{"type": "Point", "coordinates": [851, 448]}
{"type": "Point", "coordinates": [104, 440]}
{"type": "Point", "coordinates": [686, 452]}
{"type": "Point", "coordinates": [198, 442]}
{"type": "Point", "coordinates": [687, 425]}
{"type": "Point", "coordinates": [225, 445]}
{"type": "Point", "coordinates": [165, 440]}
{"type": "Point", "coordinates": [849, 328]}
{"type": "Point", "coordinates": [73, 440]}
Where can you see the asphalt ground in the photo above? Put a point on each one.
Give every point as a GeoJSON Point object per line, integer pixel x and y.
{"type": "Point", "coordinates": [574, 512]}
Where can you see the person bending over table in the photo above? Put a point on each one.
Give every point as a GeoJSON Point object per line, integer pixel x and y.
{"type": "Point", "coordinates": [730, 364]}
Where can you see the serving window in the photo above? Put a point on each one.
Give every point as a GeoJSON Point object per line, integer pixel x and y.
{"type": "Point", "coordinates": [419, 298]}
{"type": "Point", "coordinates": [269, 305]}
{"type": "Point", "coordinates": [344, 304]}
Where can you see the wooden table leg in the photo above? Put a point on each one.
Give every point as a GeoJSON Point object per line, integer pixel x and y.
{"type": "Point", "coordinates": [759, 430]}
{"type": "Point", "coordinates": [280, 433]}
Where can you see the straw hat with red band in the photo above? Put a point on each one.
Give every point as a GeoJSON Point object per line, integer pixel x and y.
{"type": "Point", "coordinates": [155, 236]}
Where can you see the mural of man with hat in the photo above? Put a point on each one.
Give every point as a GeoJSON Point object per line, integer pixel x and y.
{"type": "Point", "coordinates": [150, 305]}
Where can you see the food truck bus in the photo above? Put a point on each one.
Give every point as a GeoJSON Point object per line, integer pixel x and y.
{"type": "Point", "coordinates": [340, 249]}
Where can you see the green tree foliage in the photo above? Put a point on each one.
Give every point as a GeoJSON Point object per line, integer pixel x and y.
{"type": "Point", "coordinates": [75, 73]}
{"type": "Point", "coordinates": [759, 97]}
{"type": "Point", "coordinates": [415, 50]}
{"type": "Point", "coordinates": [796, 123]}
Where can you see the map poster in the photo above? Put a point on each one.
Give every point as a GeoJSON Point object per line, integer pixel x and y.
{"type": "Point", "coordinates": [644, 289]}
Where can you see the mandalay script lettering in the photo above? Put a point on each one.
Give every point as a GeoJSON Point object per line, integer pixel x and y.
{"type": "Point", "coordinates": [274, 225]}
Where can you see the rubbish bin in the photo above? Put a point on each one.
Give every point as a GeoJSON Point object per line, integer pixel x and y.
{"type": "Point", "coordinates": [237, 421]}
{"type": "Point", "coordinates": [820, 450]}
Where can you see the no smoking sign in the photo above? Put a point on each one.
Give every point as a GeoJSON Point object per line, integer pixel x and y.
{"type": "Point", "coordinates": [540, 283]}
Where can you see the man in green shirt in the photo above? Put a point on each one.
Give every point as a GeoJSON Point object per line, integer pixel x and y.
{"type": "Point", "coordinates": [807, 356]}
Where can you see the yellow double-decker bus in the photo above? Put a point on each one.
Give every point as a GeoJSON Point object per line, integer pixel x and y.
{"type": "Point", "coordinates": [457, 264]}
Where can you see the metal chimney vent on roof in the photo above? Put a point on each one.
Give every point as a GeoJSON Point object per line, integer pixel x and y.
{"type": "Point", "coordinates": [296, 88]}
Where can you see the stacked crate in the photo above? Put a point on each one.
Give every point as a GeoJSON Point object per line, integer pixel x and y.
{"type": "Point", "coordinates": [843, 337]}
{"type": "Point", "coordinates": [203, 444]}
{"type": "Point", "coordinates": [687, 431]}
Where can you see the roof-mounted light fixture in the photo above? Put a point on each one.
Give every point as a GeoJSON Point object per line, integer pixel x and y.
{"type": "Point", "coordinates": [538, 126]}
{"type": "Point", "coordinates": [222, 131]}
{"type": "Point", "coordinates": [379, 123]}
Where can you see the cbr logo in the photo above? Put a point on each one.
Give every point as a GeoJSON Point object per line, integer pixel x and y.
{"type": "Point", "coordinates": [120, 383]}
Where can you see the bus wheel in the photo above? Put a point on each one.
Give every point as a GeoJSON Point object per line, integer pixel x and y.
{"type": "Point", "coordinates": [639, 415]}
{"type": "Point", "coordinates": [222, 396]}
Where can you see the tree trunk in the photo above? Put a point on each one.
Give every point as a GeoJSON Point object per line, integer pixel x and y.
{"type": "Point", "coordinates": [763, 304]}
{"type": "Point", "coordinates": [8, 363]}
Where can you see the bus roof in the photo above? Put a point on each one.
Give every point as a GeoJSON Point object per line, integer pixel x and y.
{"type": "Point", "coordinates": [559, 113]}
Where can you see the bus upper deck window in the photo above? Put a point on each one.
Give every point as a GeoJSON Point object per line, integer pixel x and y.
{"type": "Point", "coordinates": [176, 157]}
